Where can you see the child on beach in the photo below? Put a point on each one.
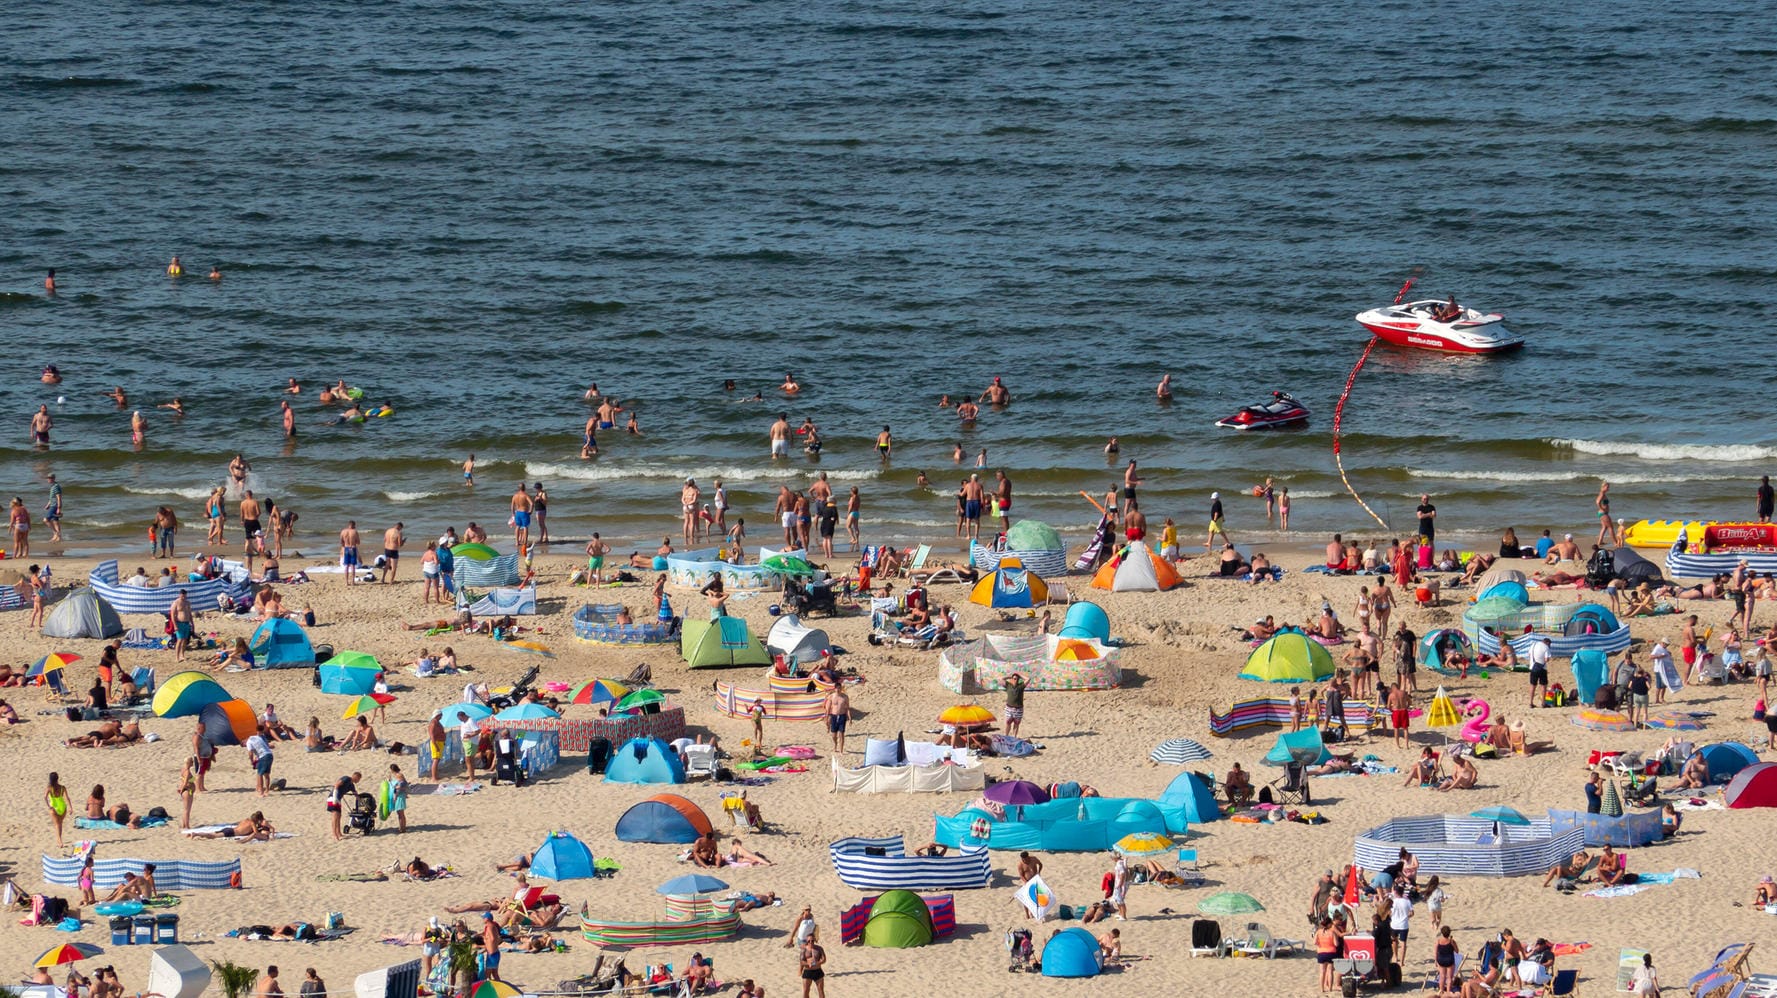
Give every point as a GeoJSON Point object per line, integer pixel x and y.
{"type": "Point", "coordinates": [1434, 902]}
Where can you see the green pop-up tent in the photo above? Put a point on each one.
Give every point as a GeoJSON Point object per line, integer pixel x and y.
{"type": "Point", "coordinates": [898, 920]}
{"type": "Point", "coordinates": [720, 643]}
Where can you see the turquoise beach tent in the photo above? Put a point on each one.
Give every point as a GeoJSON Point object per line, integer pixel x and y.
{"type": "Point", "coordinates": [281, 643]}
{"type": "Point", "coordinates": [1187, 791]}
{"type": "Point", "coordinates": [1072, 953]}
{"type": "Point", "coordinates": [1509, 590]}
{"type": "Point", "coordinates": [1086, 620]}
{"type": "Point", "coordinates": [645, 760]}
{"type": "Point", "coordinates": [562, 857]}
{"type": "Point", "coordinates": [1290, 742]}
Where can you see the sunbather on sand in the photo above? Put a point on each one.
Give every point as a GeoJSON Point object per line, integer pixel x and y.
{"type": "Point", "coordinates": [254, 828]}
{"type": "Point", "coordinates": [705, 854]}
{"type": "Point", "coordinates": [1334, 764]}
{"type": "Point", "coordinates": [740, 855]}
{"type": "Point", "coordinates": [748, 901]}
{"type": "Point", "coordinates": [1464, 777]}
{"type": "Point", "coordinates": [1570, 870]}
{"type": "Point", "coordinates": [461, 622]}
{"type": "Point", "coordinates": [108, 733]}
{"type": "Point", "coordinates": [520, 862]}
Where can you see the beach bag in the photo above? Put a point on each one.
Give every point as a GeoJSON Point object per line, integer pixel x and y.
{"type": "Point", "coordinates": [336, 920]}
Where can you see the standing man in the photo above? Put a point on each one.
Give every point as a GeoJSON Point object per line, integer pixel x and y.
{"type": "Point", "coordinates": [1406, 649]}
{"type": "Point", "coordinates": [1767, 499]}
{"type": "Point", "coordinates": [1539, 671]}
{"type": "Point", "coordinates": [348, 551]}
{"type": "Point", "coordinates": [689, 497]}
{"type": "Point", "coordinates": [40, 427]}
{"type": "Point", "coordinates": [1015, 685]}
{"type": "Point", "coordinates": [812, 959]}
{"type": "Point", "coordinates": [392, 542]}
{"type": "Point", "coordinates": [589, 440]}
{"type": "Point", "coordinates": [289, 419]}
{"type": "Point", "coordinates": [596, 550]}
{"type": "Point", "coordinates": [1216, 526]}
{"type": "Point", "coordinates": [838, 709]}
{"type": "Point", "coordinates": [785, 511]}
{"type": "Point", "coordinates": [973, 495]}
{"type": "Point", "coordinates": [521, 519]}
{"type": "Point", "coordinates": [780, 436]}
{"type": "Point", "coordinates": [469, 472]}
{"type": "Point", "coordinates": [1120, 887]}
{"type": "Point", "coordinates": [52, 510]}
{"type": "Point", "coordinates": [1400, 706]}
{"type": "Point", "coordinates": [884, 443]}
{"type": "Point", "coordinates": [183, 622]}
{"type": "Point", "coordinates": [489, 957]}
{"type": "Point", "coordinates": [1400, 916]}
{"type": "Point", "coordinates": [254, 539]}
{"type": "Point", "coordinates": [1130, 481]}
{"type": "Point", "coordinates": [1427, 515]}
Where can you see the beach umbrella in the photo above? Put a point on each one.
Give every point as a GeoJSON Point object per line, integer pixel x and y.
{"type": "Point", "coordinates": [966, 715]}
{"type": "Point", "coordinates": [1443, 712]}
{"type": "Point", "coordinates": [474, 552]}
{"type": "Point", "coordinates": [457, 713]}
{"type": "Point", "coordinates": [639, 698]}
{"type": "Point", "coordinates": [788, 564]}
{"type": "Point", "coordinates": [1229, 903]}
{"type": "Point", "coordinates": [66, 953]}
{"type": "Point", "coordinates": [367, 703]}
{"type": "Point", "coordinates": [51, 662]}
{"type": "Point", "coordinates": [492, 989]}
{"type": "Point", "coordinates": [1594, 719]}
{"type": "Point", "coordinates": [1178, 751]}
{"type": "Point", "coordinates": [1139, 845]}
{"type": "Point", "coordinates": [598, 691]}
{"type": "Point", "coordinates": [1611, 804]}
{"type": "Point", "coordinates": [1673, 720]}
{"type": "Point", "coordinates": [1352, 886]}
{"type": "Point", "coordinates": [354, 660]}
{"type": "Point", "coordinates": [1500, 814]}
{"type": "Point", "coordinates": [1018, 793]}
{"type": "Point", "coordinates": [692, 883]}
{"type": "Point", "coordinates": [528, 647]}
{"type": "Point", "coordinates": [526, 712]}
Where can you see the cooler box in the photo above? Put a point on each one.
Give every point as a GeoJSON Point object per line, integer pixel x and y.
{"type": "Point", "coordinates": [166, 928]}
{"type": "Point", "coordinates": [142, 930]}
{"type": "Point", "coordinates": [120, 930]}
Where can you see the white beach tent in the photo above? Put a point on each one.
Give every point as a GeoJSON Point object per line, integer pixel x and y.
{"type": "Point", "coordinates": [791, 638]}
{"type": "Point", "coordinates": [176, 972]}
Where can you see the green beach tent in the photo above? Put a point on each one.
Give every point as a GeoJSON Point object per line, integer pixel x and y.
{"type": "Point", "coordinates": [1291, 657]}
{"type": "Point", "coordinates": [720, 644]}
{"type": "Point", "coordinates": [898, 920]}
{"type": "Point", "coordinates": [1033, 535]}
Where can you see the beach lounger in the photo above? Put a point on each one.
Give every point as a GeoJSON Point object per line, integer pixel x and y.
{"type": "Point", "coordinates": [1206, 937]}
{"type": "Point", "coordinates": [1257, 942]}
{"type": "Point", "coordinates": [700, 760]}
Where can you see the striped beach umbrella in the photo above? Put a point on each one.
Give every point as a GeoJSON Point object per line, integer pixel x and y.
{"type": "Point", "coordinates": [1594, 719]}
{"type": "Point", "coordinates": [366, 704]}
{"type": "Point", "coordinates": [1674, 720]}
{"type": "Point", "coordinates": [485, 988]}
{"type": "Point", "coordinates": [1611, 804]}
{"type": "Point", "coordinates": [598, 691]}
{"type": "Point", "coordinates": [66, 953]}
{"type": "Point", "coordinates": [1178, 751]}
{"type": "Point", "coordinates": [52, 662]}
{"type": "Point", "coordinates": [1141, 845]}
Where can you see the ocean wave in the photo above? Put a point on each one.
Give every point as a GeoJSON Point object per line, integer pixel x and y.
{"type": "Point", "coordinates": [410, 496]}
{"type": "Point", "coordinates": [1730, 453]}
{"type": "Point", "coordinates": [196, 492]}
{"type": "Point", "coordinates": [1556, 476]}
{"type": "Point", "coordinates": [590, 472]}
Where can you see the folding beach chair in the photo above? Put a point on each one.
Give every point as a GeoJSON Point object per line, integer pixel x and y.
{"type": "Point", "coordinates": [143, 677]}
{"type": "Point", "coordinates": [1206, 937]}
{"type": "Point", "coordinates": [1188, 868]}
{"type": "Point", "coordinates": [1257, 942]}
{"type": "Point", "coordinates": [1292, 787]}
{"type": "Point", "coordinates": [700, 760]}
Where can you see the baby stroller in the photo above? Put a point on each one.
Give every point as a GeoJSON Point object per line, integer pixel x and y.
{"type": "Point", "coordinates": [804, 599]}
{"type": "Point", "coordinates": [362, 817]}
{"type": "Point", "coordinates": [1022, 950]}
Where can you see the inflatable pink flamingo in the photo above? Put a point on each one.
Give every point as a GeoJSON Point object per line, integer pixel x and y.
{"type": "Point", "coordinates": [1474, 730]}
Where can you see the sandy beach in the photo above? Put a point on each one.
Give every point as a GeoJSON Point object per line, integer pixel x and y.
{"type": "Point", "coordinates": [1182, 656]}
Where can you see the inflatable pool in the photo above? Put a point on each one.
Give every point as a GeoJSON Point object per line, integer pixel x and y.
{"type": "Point", "coordinates": [692, 570]}
{"type": "Point", "coordinates": [597, 624]}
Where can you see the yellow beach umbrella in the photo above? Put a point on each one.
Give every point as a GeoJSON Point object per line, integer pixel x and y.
{"type": "Point", "coordinates": [1443, 712]}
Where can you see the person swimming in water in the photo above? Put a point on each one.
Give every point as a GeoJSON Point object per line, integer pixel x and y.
{"type": "Point", "coordinates": [177, 405]}
{"type": "Point", "coordinates": [51, 376]}
{"type": "Point", "coordinates": [633, 427]}
{"type": "Point", "coordinates": [175, 269]}
{"type": "Point", "coordinates": [49, 283]}
{"type": "Point", "coordinates": [790, 387]}
{"type": "Point", "coordinates": [215, 273]}
{"type": "Point", "coordinates": [592, 392]}
{"type": "Point", "coordinates": [117, 395]}
{"type": "Point", "coordinates": [292, 388]}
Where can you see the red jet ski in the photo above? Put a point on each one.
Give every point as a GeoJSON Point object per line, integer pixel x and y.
{"type": "Point", "coordinates": [1280, 410]}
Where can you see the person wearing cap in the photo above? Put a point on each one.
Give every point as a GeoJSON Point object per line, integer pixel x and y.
{"type": "Point", "coordinates": [432, 942]}
{"type": "Point", "coordinates": [1215, 523]}
{"type": "Point", "coordinates": [1765, 893]}
{"type": "Point", "coordinates": [1563, 550]}
{"type": "Point", "coordinates": [488, 959]}
{"type": "Point", "coordinates": [1539, 653]}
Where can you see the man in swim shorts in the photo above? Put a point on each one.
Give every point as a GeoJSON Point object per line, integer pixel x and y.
{"type": "Point", "coordinates": [596, 550]}
{"type": "Point", "coordinates": [521, 519]}
{"type": "Point", "coordinates": [40, 426]}
{"type": "Point", "coordinates": [392, 542]}
{"type": "Point", "coordinates": [838, 710]}
{"type": "Point", "coordinates": [348, 551]}
{"type": "Point", "coordinates": [780, 436]}
{"type": "Point", "coordinates": [589, 441]}
{"type": "Point", "coordinates": [973, 493]}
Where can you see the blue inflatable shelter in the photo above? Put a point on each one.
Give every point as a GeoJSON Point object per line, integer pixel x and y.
{"type": "Point", "coordinates": [1088, 621]}
{"type": "Point", "coordinates": [562, 857]}
{"type": "Point", "coordinates": [281, 643]}
{"type": "Point", "coordinates": [1072, 953]}
{"type": "Point", "coordinates": [666, 818]}
{"type": "Point", "coordinates": [645, 760]}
